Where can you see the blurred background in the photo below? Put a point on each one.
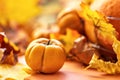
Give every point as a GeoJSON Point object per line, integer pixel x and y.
{"type": "Point", "coordinates": [25, 20]}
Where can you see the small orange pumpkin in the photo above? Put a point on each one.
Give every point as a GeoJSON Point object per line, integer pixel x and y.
{"type": "Point", "coordinates": [45, 55]}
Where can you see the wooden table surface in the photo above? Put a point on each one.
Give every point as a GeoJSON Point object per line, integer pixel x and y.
{"type": "Point", "coordinates": [72, 71]}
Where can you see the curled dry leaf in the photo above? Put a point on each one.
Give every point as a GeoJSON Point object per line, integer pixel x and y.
{"type": "Point", "coordinates": [9, 50]}
{"type": "Point", "coordinates": [82, 50]}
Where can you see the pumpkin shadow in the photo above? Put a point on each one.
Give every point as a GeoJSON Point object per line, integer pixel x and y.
{"type": "Point", "coordinates": [49, 76]}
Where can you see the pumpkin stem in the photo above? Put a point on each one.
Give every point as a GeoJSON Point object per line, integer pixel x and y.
{"type": "Point", "coordinates": [48, 42]}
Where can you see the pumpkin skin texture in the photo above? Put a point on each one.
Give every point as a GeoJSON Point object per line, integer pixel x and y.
{"type": "Point", "coordinates": [45, 55]}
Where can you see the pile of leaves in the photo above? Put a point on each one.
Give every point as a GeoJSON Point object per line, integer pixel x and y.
{"type": "Point", "coordinates": [9, 50]}
{"type": "Point", "coordinates": [109, 36]}
{"type": "Point", "coordinates": [105, 36]}
{"type": "Point", "coordinates": [107, 30]}
{"type": "Point", "coordinates": [13, 36]}
{"type": "Point", "coordinates": [10, 68]}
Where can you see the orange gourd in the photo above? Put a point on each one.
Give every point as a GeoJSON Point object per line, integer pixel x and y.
{"type": "Point", "coordinates": [45, 55]}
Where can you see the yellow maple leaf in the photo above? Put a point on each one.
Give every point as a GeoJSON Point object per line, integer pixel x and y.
{"type": "Point", "coordinates": [18, 10]}
{"type": "Point", "coordinates": [99, 21]}
{"type": "Point", "coordinates": [67, 39]}
{"type": "Point", "coordinates": [10, 72]}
